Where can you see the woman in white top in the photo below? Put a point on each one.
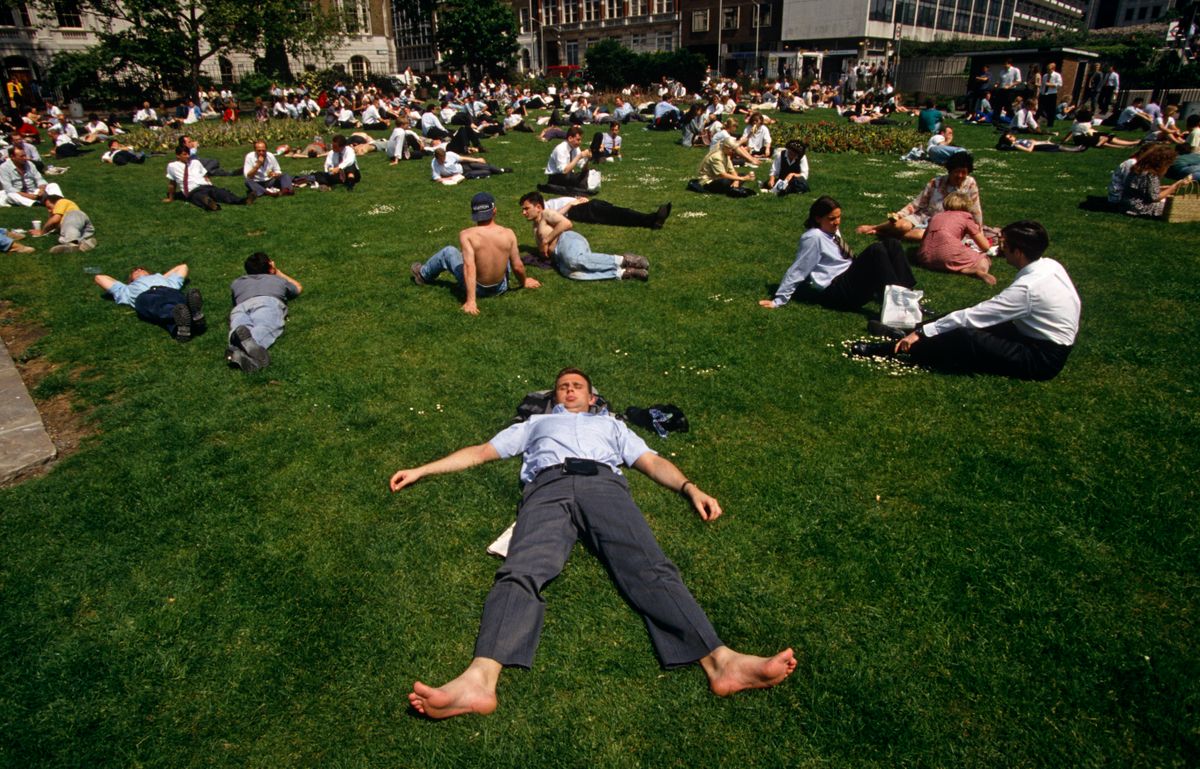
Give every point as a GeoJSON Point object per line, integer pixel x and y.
{"type": "Point", "coordinates": [757, 137]}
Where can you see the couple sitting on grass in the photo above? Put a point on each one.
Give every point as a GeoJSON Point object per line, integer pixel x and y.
{"type": "Point", "coordinates": [1026, 331]}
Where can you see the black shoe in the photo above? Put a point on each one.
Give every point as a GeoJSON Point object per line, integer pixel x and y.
{"type": "Point", "coordinates": [195, 304]}
{"type": "Point", "coordinates": [182, 318]}
{"type": "Point", "coordinates": [882, 329]}
{"type": "Point", "coordinates": [257, 352]}
{"type": "Point", "coordinates": [237, 357]}
{"type": "Point", "coordinates": [873, 349]}
{"type": "Point", "coordinates": [660, 217]}
{"type": "Point", "coordinates": [212, 205]}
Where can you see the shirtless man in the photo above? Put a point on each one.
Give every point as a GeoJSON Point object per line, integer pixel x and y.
{"type": "Point", "coordinates": [573, 489]}
{"type": "Point", "coordinates": [481, 266]}
{"type": "Point", "coordinates": [571, 253]}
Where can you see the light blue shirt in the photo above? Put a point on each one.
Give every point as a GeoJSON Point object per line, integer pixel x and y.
{"type": "Point", "coordinates": [620, 112]}
{"type": "Point", "coordinates": [545, 440]}
{"type": "Point", "coordinates": [818, 261]}
{"type": "Point", "coordinates": [128, 294]}
{"type": "Point", "coordinates": [664, 107]}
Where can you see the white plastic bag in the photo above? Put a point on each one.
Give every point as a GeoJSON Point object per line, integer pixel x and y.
{"type": "Point", "coordinates": [901, 307]}
{"type": "Point", "coordinates": [593, 180]}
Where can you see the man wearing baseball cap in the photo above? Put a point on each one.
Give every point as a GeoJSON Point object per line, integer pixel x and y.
{"type": "Point", "coordinates": [480, 264]}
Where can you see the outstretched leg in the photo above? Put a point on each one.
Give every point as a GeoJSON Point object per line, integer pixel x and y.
{"type": "Point", "coordinates": [730, 672]}
{"type": "Point", "coordinates": [474, 691]}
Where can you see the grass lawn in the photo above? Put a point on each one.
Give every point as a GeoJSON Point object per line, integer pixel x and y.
{"type": "Point", "coordinates": [974, 572]}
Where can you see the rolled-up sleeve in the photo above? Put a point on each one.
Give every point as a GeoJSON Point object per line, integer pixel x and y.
{"type": "Point", "coordinates": [510, 441]}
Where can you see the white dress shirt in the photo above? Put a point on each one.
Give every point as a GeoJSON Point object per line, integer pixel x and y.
{"type": "Point", "coordinates": [196, 176]}
{"type": "Point", "coordinates": [1041, 302]}
{"type": "Point", "coordinates": [270, 166]}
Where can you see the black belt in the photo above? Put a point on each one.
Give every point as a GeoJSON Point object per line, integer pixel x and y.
{"type": "Point", "coordinates": [575, 466]}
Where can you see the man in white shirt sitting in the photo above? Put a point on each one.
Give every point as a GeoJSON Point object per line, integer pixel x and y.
{"type": "Point", "coordinates": [341, 166]}
{"type": "Point", "coordinates": [187, 178]}
{"type": "Point", "coordinates": [263, 174]}
{"type": "Point", "coordinates": [146, 116]}
{"type": "Point", "coordinates": [567, 164]}
{"type": "Point", "coordinates": [1026, 331]}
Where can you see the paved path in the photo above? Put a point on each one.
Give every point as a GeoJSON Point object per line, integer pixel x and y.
{"type": "Point", "coordinates": [23, 440]}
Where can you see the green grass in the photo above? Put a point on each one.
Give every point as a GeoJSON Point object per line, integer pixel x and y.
{"type": "Point", "coordinates": [975, 572]}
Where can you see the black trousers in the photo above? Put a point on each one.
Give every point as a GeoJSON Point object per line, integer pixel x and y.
{"type": "Point", "coordinates": [575, 179]}
{"type": "Point", "coordinates": [465, 138]}
{"type": "Point", "coordinates": [353, 177]}
{"type": "Point", "coordinates": [157, 305]}
{"type": "Point", "coordinates": [556, 511]}
{"type": "Point", "coordinates": [203, 194]}
{"type": "Point", "coordinates": [880, 264]}
{"type": "Point", "coordinates": [436, 133]}
{"type": "Point", "coordinates": [603, 212]}
{"type": "Point", "coordinates": [1000, 349]}
{"type": "Point", "coordinates": [725, 187]}
{"type": "Point", "coordinates": [479, 170]}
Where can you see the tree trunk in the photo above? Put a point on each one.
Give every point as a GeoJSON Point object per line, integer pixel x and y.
{"type": "Point", "coordinates": [276, 60]}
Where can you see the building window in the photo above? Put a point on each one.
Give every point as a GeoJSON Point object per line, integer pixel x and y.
{"type": "Point", "coordinates": [360, 68]}
{"type": "Point", "coordinates": [666, 42]}
{"type": "Point", "coordinates": [664, 6]}
{"type": "Point", "coordinates": [729, 18]}
{"type": "Point", "coordinates": [591, 10]}
{"type": "Point", "coordinates": [570, 15]}
{"type": "Point", "coordinates": [614, 9]}
{"type": "Point", "coordinates": [637, 43]}
{"type": "Point", "coordinates": [550, 12]}
{"type": "Point", "coordinates": [1142, 12]}
{"type": "Point", "coordinates": [764, 15]}
{"type": "Point", "coordinates": [354, 15]}
{"type": "Point", "coordinates": [68, 14]}
{"type": "Point", "coordinates": [700, 20]}
{"type": "Point", "coordinates": [572, 49]}
{"type": "Point", "coordinates": [638, 7]}
{"type": "Point", "coordinates": [226, 68]}
{"type": "Point", "coordinates": [1156, 11]}
{"type": "Point", "coordinates": [523, 18]}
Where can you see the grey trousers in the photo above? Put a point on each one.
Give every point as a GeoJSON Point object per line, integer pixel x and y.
{"type": "Point", "coordinates": [556, 510]}
{"type": "Point", "coordinates": [77, 228]}
{"type": "Point", "coordinates": [264, 315]}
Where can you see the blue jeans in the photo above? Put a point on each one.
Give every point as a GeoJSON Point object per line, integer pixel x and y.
{"type": "Point", "coordinates": [263, 315]}
{"type": "Point", "coordinates": [5, 241]}
{"type": "Point", "coordinates": [450, 260]}
{"type": "Point", "coordinates": [574, 258]}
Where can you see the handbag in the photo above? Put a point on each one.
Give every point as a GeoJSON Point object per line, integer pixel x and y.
{"type": "Point", "coordinates": [901, 307]}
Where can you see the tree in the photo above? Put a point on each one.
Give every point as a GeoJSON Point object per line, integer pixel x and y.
{"type": "Point", "coordinates": [174, 38]}
{"type": "Point", "coordinates": [479, 36]}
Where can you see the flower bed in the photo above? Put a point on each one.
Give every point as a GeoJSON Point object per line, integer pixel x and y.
{"type": "Point", "coordinates": [830, 137]}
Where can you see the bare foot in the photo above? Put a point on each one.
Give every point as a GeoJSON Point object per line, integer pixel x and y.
{"type": "Point", "coordinates": [865, 229]}
{"type": "Point", "coordinates": [730, 672]}
{"type": "Point", "coordinates": [472, 692]}
{"type": "Point", "coordinates": [988, 278]}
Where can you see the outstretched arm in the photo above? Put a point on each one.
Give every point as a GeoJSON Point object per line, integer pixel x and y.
{"type": "Point", "coordinates": [180, 269]}
{"type": "Point", "coordinates": [451, 463]}
{"type": "Point", "coordinates": [664, 473]}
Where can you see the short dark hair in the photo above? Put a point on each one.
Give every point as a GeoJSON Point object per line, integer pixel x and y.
{"type": "Point", "coordinates": [961, 160]}
{"type": "Point", "coordinates": [797, 146]}
{"type": "Point", "coordinates": [532, 197]}
{"type": "Point", "coordinates": [574, 131]}
{"type": "Point", "coordinates": [338, 139]}
{"type": "Point", "coordinates": [820, 208]}
{"type": "Point", "coordinates": [1193, 120]}
{"type": "Point", "coordinates": [1028, 237]}
{"type": "Point", "coordinates": [257, 263]}
{"type": "Point", "coordinates": [572, 370]}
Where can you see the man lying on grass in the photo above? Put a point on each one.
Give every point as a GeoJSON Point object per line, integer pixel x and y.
{"type": "Point", "coordinates": [574, 490]}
